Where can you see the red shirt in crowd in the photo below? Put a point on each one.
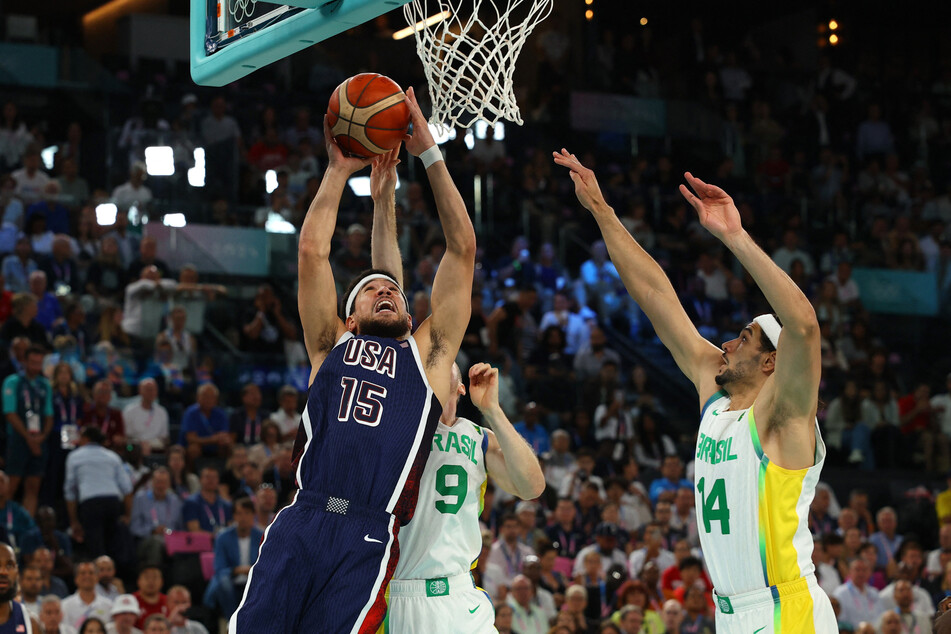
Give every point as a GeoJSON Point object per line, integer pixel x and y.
{"type": "Point", "coordinates": [111, 425]}
{"type": "Point", "coordinates": [148, 609]}
{"type": "Point", "coordinates": [919, 422]}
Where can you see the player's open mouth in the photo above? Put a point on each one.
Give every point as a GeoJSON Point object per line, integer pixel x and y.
{"type": "Point", "coordinates": [385, 305]}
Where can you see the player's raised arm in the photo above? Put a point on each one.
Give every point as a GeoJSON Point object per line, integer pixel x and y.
{"type": "Point", "coordinates": [384, 248]}
{"type": "Point", "coordinates": [509, 459]}
{"type": "Point", "coordinates": [795, 386]}
{"type": "Point", "coordinates": [452, 288]}
{"type": "Point", "coordinates": [647, 283]}
{"type": "Point", "coordinates": [317, 294]}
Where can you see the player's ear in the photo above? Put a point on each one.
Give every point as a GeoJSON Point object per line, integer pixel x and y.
{"type": "Point", "coordinates": [351, 324]}
{"type": "Point", "coordinates": [769, 363]}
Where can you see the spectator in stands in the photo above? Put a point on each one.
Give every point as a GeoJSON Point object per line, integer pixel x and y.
{"type": "Point", "coordinates": [132, 193]}
{"type": "Point", "coordinates": [695, 606]}
{"type": "Point", "coordinates": [100, 415]}
{"type": "Point", "coordinates": [600, 283]}
{"type": "Point", "coordinates": [42, 558]}
{"type": "Point", "coordinates": [19, 526]}
{"type": "Point", "coordinates": [146, 420]}
{"type": "Point", "coordinates": [184, 344]}
{"type": "Point", "coordinates": [582, 474]}
{"type": "Point", "coordinates": [269, 153]}
{"type": "Point", "coordinates": [265, 452]}
{"type": "Point", "coordinates": [880, 411]}
{"type": "Point", "coordinates": [565, 534]}
{"type": "Point", "coordinates": [48, 308]}
{"type": "Point", "coordinates": [98, 491]}
{"type": "Point", "coordinates": [886, 540]}
{"type": "Point", "coordinates": [512, 326]}
{"type": "Point", "coordinates": [155, 510]}
{"type": "Point", "coordinates": [51, 616]}
{"type": "Point", "coordinates": [23, 323]}
{"type": "Point", "coordinates": [106, 277]}
{"type": "Point", "coordinates": [183, 482]}
{"type": "Point", "coordinates": [246, 421]}
{"type": "Point", "coordinates": [526, 616]}
{"type": "Point", "coordinates": [264, 330]}
{"type": "Point", "coordinates": [55, 214]}
{"type": "Point", "coordinates": [653, 550]}
{"type": "Point", "coordinates": [571, 324]}
{"type": "Point", "coordinates": [85, 603]}
{"type": "Point", "coordinates": [859, 601]}
{"type": "Point", "coordinates": [236, 550]}
{"type": "Point", "coordinates": [48, 536]}
{"type": "Point", "coordinates": [125, 612]}
{"type": "Point", "coordinates": [149, 595]}
{"type": "Point", "coordinates": [605, 546]}
{"type": "Point", "coordinates": [286, 417]}
{"type": "Point", "coordinates": [559, 461]}
{"type": "Point", "coordinates": [933, 566]}
{"type": "Point", "coordinates": [6, 301]}
{"type": "Point", "coordinates": [845, 429]}
{"type": "Point", "coordinates": [62, 271]}
{"type": "Point", "coordinates": [206, 511]}
{"type": "Point", "coordinates": [651, 446]}
{"type": "Point", "coordinates": [672, 616]}
{"type": "Point", "coordinates": [30, 179]}
{"type": "Point", "coordinates": [874, 136]}
{"type": "Point", "coordinates": [916, 414]}
{"type": "Point", "coordinates": [684, 516]}
{"type": "Point", "coordinates": [28, 409]}
{"type": "Point", "coordinates": [265, 505]}
{"type": "Point", "coordinates": [156, 624]}
{"type": "Point", "coordinates": [109, 585]}
{"type": "Point", "coordinates": [847, 289]}
{"type": "Point", "coordinates": [671, 479]}
{"type": "Point", "coordinates": [507, 552]}
{"type": "Point", "coordinates": [353, 256]}
{"type": "Point", "coordinates": [145, 301]}
{"type": "Point", "coordinates": [205, 429]}
{"type": "Point", "coordinates": [14, 137]}
{"type": "Point", "coordinates": [93, 625]}
{"type": "Point", "coordinates": [533, 433]}
{"type": "Point", "coordinates": [74, 190]}
{"type": "Point", "coordinates": [234, 472]}
{"type": "Point", "coordinates": [591, 357]}
{"type": "Point", "coordinates": [148, 256]}
{"type": "Point", "coordinates": [18, 265]}
{"type": "Point", "coordinates": [910, 567]}
{"type": "Point", "coordinates": [179, 601]}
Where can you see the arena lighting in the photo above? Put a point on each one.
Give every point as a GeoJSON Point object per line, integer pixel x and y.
{"type": "Point", "coordinates": [270, 181]}
{"type": "Point", "coordinates": [360, 185]}
{"type": "Point", "coordinates": [431, 20]}
{"type": "Point", "coordinates": [159, 160]}
{"type": "Point", "coordinates": [482, 128]}
{"type": "Point", "coordinates": [48, 155]}
{"type": "Point", "coordinates": [275, 223]}
{"type": "Point", "coordinates": [106, 214]}
{"type": "Point", "coordinates": [589, 2]}
{"type": "Point", "coordinates": [833, 39]}
{"type": "Point", "coordinates": [588, 14]}
{"type": "Point", "coordinates": [643, 21]}
{"type": "Point", "coordinates": [833, 25]}
{"type": "Point", "coordinates": [174, 220]}
{"type": "Point", "coordinates": [196, 175]}
{"type": "Point", "coordinates": [440, 136]}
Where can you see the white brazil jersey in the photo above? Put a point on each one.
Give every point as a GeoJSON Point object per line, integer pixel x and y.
{"type": "Point", "coordinates": [752, 515]}
{"type": "Point", "coordinates": [443, 539]}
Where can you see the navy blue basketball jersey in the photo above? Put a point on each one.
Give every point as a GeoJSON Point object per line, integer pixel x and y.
{"type": "Point", "coordinates": [19, 621]}
{"type": "Point", "coordinates": [366, 429]}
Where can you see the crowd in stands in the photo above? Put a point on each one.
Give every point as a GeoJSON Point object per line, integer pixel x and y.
{"type": "Point", "coordinates": [125, 465]}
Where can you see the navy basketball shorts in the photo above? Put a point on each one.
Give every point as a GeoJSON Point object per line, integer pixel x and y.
{"type": "Point", "coordinates": [323, 566]}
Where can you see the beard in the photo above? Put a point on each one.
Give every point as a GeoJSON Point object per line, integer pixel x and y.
{"type": "Point", "coordinates": [734, 374]}
{"type": "Point", "coordinates": [12, 591]}
{"type": "Point", "coordinates": [383, 328]}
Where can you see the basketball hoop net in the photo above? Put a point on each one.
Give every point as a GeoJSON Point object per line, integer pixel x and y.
{"type": "Point", "coordinates": [469, 57]}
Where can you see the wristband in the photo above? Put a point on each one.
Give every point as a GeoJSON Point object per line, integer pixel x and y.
{"type": "Point", "coordinates": [430, 156]}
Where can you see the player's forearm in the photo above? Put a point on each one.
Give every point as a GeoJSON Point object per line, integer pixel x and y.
{"type": "Point", "coordinates": [794, 309]}
{"type": "Point", "coordinates": [457, 227]}
{"type": "Point", "coordinates": [321, 218]}
{"type": "Point", "coordinates": [384, 249]}
{"type": "Point", "coordinates": [520, 461]}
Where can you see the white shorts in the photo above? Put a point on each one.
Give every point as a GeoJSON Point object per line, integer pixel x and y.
{"type": "Point", "coordinates": [795, 607]}
{"type": "Point", "coordinates": [450, 605]}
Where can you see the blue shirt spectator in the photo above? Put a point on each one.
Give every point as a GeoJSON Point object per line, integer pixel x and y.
{"type": "Point", "coordinates": [57, 216]}
{"type": "Point", "coordinates": [886, 540]}
{"type": "Point", "coordinates": [16, 267]}
{"type": "Point", "coordinates": [48, 309]}
{"type": "Point", "coordinates": [157, 508]}
{"type": "Point", "coordinates": [671, 470]}
{"type": "Point", "coordinates": [533, 433]}
{"type": "Point", "coordinates": [206, 510]}
{"type": "Point", "coordinates": [205, 426]}
{"type": "Point", "coordinates": [92, 471]}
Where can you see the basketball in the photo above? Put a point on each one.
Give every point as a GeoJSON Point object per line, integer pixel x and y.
{"type": "Point", "coordinates": [368, 115]}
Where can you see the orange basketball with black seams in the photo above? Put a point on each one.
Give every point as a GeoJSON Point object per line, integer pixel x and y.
{"type": "Point", "coordinates": [368, 115]}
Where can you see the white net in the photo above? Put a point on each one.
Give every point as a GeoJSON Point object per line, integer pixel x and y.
{"type": "Point", "coordinates": [469, 57]}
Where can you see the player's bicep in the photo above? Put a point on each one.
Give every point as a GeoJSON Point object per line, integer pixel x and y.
{"type": "Point", "coordinates": [317, 304]}
{"type": "Point", "coordinates": [451, 302]}
{"type": "Point", "coordinates": [798, 372]}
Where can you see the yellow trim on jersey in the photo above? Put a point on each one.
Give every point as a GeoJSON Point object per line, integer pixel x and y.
{"type": "Point", "coordinates": [796, 608]}
{"type": "Point", "coordinates": [779, 493]}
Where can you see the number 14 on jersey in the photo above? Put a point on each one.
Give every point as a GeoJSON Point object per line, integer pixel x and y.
{"type": "Point", "coordinates": [715, 508]}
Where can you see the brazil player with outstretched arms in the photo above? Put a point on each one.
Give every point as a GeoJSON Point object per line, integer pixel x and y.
{"type": "Point", "coordinates": [432, 589]}
{"type": "Point", "coordinates": [759, 452]}
{"type": "Point", "coordinates": [375, 397]}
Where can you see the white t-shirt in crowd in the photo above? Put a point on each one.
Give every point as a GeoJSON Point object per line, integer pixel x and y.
{"type": "Point", "coordinates": [146, 425]}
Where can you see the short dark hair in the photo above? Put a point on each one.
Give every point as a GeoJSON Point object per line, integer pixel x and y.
{"type": "Point", "coordinates": [508, 517]}
{"type": "Point", "coordinates": [35, 349]}
{"type": "Point", "coordinates": [244, 503]}
{"type": "Point", "coordinates": [690, 562]}
{"type": "Point", "coordinates": [93, 434]}
{"type": "Point", "coordinates": [355, 281]}
{"type": "Point", "coordinates": [832, 539]}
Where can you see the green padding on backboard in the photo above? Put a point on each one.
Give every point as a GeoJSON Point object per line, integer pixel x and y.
{"type": "Point", "coordinates": [277, 41]}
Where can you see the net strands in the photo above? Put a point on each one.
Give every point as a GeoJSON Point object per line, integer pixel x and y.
{"type": "Point", "coordinates": [469, 61]}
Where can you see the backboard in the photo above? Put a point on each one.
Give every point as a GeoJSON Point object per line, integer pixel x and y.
{"type": "Point", "coordinates": [232, 38]}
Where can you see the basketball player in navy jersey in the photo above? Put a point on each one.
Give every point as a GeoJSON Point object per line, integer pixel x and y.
{"type": "Point", "coordinates": [14, 619]}
{"type": "Point", "coordinates": [375, 397]}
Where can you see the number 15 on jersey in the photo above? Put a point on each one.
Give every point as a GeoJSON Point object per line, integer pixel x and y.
{"type": "Point", "coordinates": [361, 401]}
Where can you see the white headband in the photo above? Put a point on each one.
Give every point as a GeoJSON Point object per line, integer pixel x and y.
{"type": "Point", "coordinates": [771, 327]}
{"type": "Point", "coordinates": [369, 278]}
